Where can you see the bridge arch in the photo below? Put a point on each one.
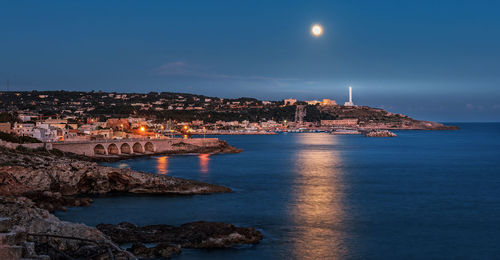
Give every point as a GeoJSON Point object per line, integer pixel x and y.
{"type": "Point", "coordinates": [113, 149]}
{"type": "Point", "coordinates": [99, 150]}
{"type": "Point", "coordinates": [149, 147]}
{"type": "Point", "coordinates": [125, 148]}
{"type": "Point", "coordinates": [137, 148]}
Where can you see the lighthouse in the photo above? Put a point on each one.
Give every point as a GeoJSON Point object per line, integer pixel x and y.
{"type": "Point", "coordinates": [350, 103]}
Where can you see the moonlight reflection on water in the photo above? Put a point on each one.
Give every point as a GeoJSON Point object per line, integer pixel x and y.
{"type": "Point", "coordinates": [317, 205]}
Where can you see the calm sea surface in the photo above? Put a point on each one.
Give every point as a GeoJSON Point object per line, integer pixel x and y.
{"type": "Point", "coordinates": [421, 195]}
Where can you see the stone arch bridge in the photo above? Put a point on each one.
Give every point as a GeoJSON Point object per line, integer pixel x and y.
{"type": "Point", "coordinates": [130, 146]}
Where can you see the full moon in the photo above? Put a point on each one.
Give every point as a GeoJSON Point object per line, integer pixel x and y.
{"type": "Point", "coordinates": [317, 30]}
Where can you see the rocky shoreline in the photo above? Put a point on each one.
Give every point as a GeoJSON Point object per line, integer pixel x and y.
{"type": "Point", "coordinates": [33, 184]}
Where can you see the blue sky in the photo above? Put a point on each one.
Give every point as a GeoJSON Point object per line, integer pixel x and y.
{"type": "Point", "coordinates": [435, 60]}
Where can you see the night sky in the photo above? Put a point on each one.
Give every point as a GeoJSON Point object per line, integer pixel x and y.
{"type": "Point", "coordinates": [434, 60]}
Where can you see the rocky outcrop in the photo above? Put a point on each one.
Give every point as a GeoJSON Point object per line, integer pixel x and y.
{"type": "Point", "coordinates": [221, 147]}
{"type": "Point", "coordinates": [380, 133]}
{"type": "Point", "coordinates": [191, 235]}
{"type": "Point", "coordinates": [58, 182]}
{"type": "Point", "coordinates": [94, 179]}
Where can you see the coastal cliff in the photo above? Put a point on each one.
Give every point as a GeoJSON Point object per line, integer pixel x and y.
{"type": "Point", "coordinates": [32, 184]}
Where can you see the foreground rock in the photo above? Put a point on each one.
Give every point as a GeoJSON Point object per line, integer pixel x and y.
{"type": "Point", "coordinates": [27, 231]}
{"type": "Point", "coordinates": [191, 235]}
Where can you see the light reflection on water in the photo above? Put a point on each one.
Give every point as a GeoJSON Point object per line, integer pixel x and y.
{"type": "Point", "coordinates": [317, 204]}
{"type": "Point", "coordinates": [123, 165]}
{"type": "Point", "coordinates": [204, 160]}
{"type": "Point", "coordinates": [162, 165]}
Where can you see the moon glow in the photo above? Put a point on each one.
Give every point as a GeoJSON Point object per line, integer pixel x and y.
{"type": "Point", "coordinates": [316, 30]}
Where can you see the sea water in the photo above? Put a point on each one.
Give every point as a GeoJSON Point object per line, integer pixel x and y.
{"type": "Point", "coordinates": [421, 195]}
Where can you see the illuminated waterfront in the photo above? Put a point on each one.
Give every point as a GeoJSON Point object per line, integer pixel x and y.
{"type": "Point", "coordinates": [335, 197]}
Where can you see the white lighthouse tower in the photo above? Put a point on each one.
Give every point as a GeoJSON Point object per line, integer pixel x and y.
{"type": "Point", "coordinates": [350, 103]}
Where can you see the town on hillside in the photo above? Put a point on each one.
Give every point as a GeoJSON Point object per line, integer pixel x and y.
{"type": "Point", "coordinates": [56, 116]}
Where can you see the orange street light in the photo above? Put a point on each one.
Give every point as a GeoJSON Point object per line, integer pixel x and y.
{"type": "Point", "coordinates": [143, 129]}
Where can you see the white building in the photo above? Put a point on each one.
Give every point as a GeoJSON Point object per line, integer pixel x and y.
{"type": "Point", "coordinates": [45, 135]}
